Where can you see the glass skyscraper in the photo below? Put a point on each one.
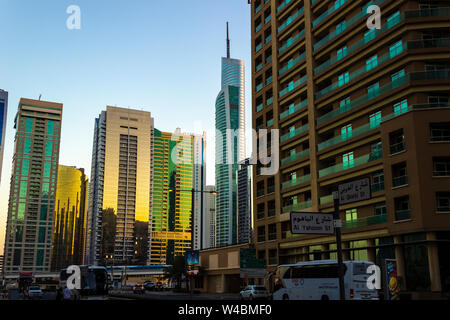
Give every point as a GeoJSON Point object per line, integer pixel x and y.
{"type": "Point", "coordinates": [3, 111]}
{"type": "Point", "coordinates": [173, 177]}
{"type": "Point", "coordinates": [29, 230]}
{"type": "Point", "coordinates": [70, 218]}
{"type": "Point", "coordinates": [119, 197]}
{"type": "Point", "coordinates": [230, 146]}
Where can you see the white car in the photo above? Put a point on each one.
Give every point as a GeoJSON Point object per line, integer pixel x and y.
{"type": "Point", "coordinates": [34, 292]}
{"type": "Point", "coordinates": [254, 292]}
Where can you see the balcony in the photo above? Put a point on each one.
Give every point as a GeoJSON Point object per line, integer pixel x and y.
{"type": "Point", "coordinates": [350, 23]}
{"type": "Point", "coordinates": [326, 14]}
{"type": "Point", "coordinates": [376, 187]}
{"type": "Point", "coordinates": [298, 206]}
{"type": "Point", "coordinates": [259, 67]}
{"type": "Point", "coordinates": [291, 19]}
{"type": "Point", "coordinates": [292, 86]}
{"type": "Point", "coordinates": [270, 123]}
{"type": "Point", "coordinates": [269, 101]}
{"type": "Point", "coordinates": [402, 215]}
{"type": "Point", "coordinates": [397, 147]}
{"type": "Point", "coordinates": [283, 5]}
{"type": "Point", "coordinates": [416, 76]}
{"type": "Point", "coordinates": [296, 182]}
{"type": "Point", "coordinates": [291, 41]}
{"type": "Point", "coordinates": [268, 18]}
{"type": "Point", "coordinates": [258, 47]}
{"type": "Point", "coordinates": [259, 107]}
{"type": "Point", "coordinates": [294, 133]}
{"type": "Point", "coordinates": [295, 157]}
{"type": "Point", "coordinates": [363, 70]}
{"type": "Point", "coordinates": [293, 109]}
{"type": "Point", "coordinates": [326, 199]}
{"type": "Point", "coordinates": [269, 80]}
{"type": "Point", "coordinates": [351, 164]}
{"type": "Point", "coordinates": [292, 63]}
{"type": "Point", "coordinates": [355, 132]}
{"type": "Point", "coordinates": [258, 8]}
{"type": "Point", "coordinates": [269, 37]}
{"type": "Point", "coordinates": [399, 181]}
{"type": "Point", "coordinates": [259, 87]}
{"type": "Point", "coordinates": [364, 222]}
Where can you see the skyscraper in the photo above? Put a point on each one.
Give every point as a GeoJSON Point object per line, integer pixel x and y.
{"type": "Point", "coordinates": [3, 112]}
{"type": "Point", "coordinates": [33, 186]}
{"type": "Point", "coordinates": [230, 146]}
{"type": "Point", "coordinates": [173, 179]}
{"type": "Point", "coordinates": [199, 184]}
{"type": "Point", "coordinates": [119, 200]}
{"type": "Point", "coordinates": [209, 219]}
{"type": "Point", "coordinates": [70, 218]}
{"type": "Point", "coordinates": [356, 103]}
{"type": "Point", "coordinates": [245, 200]}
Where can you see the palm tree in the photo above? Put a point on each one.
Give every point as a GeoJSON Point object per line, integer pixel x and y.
{"type": "Point", "coordinates": [177, 270]}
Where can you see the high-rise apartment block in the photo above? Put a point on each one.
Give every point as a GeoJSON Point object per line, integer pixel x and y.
{"type": "Point", "coordinates": [31, 209]}
{"type": "Point", "coordinates": [173, 180]}
{"type": "Point", "coordinates": [70, 218]}
{"type": "Point", "coordinates": [209, 218]}
{"type": "Point", "coordinates": [119, 200]}
{"type": "Point", "coordinates": [245, 202]}
{"type": "Point", "coordinates": [350, 103]}
{"type": "Point", "coordinates": [199, 185]}
{"type": "Point", "coordinates": [3, 113]}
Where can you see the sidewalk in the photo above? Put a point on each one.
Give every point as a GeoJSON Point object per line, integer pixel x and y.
{"type": "Point", "coordinates": [169, 295]}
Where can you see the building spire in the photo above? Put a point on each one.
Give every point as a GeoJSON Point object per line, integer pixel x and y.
{"type": "Point", "coordinates": [228, 42]}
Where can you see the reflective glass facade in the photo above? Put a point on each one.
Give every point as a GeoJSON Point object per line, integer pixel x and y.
{"type": "Point", "coordinates": [70, 218]}
{"type": "Point", "coordinates": [3, 112]}
{"type": "Point", "coordinates": [30, 221]}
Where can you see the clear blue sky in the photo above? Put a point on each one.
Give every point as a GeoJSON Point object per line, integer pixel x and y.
{"type": "Point", "coordinates": [159, 56]}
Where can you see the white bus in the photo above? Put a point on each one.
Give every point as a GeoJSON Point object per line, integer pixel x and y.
{"type": "Point", "coordinates": [319, 280]}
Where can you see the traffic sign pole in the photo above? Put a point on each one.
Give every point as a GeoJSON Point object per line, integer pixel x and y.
{"type": "Point", "coordinates": [337, 228]}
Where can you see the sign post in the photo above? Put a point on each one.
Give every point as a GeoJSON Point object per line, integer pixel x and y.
{"type": "Point", "coordinates": [337, 227]}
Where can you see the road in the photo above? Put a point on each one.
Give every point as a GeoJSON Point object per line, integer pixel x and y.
{"type": "Point", "coordinates": [172, 296]}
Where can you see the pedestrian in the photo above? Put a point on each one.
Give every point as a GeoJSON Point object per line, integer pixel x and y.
{"type": "Point", "coordinates": [67, 293]}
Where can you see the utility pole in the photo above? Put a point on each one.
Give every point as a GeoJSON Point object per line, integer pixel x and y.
{"type": "Point", "coordinates": [337, 228]}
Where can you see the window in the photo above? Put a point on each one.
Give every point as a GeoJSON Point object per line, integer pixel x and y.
{"type": "Point", "coordinates": [380, 208]}
{"type": "Point", "coordinates": [25, 167]}
{"type": "Point", "coordinates": [402, 210]}
{"type": "Point", "coordinates": [398, 75]}
{"type": "Point", "coordinates": [441, 167]}
{"type": "Point", "coordinates": [375, 120]}
{"type": "Point", "coordinates": [396, 49]}
{"type": "Point", "coordinates": [338, 4]}
{"type": "Point", "coordinates": [342, 52]}
{"type": "Point", "coordinates": [399, 175]}
{"type": "Point", "coordinates": [393, 20]}
{"type": "Point", "coordinates": [347, 160]}
{"type": "Point", "coordinates": [27, 146]}
{"type": "Point", "coordinates": [261, 233]}
{"type": "Point", "coordinates": [401, 107]}
{"type": "Point", "coordinates": [351, 215]}
{"type": "Point", "coordinates": [376, 151]}
{"type": "Point", "coordinates": [272, 231]}
{"type": "Point", "coordinates": [341, 27]}
{"type": "Point", "coordinates": [372, 90]}
{"type": "Point", "coordinates": [440, 131]}
{"type": "Point", "coordinates": [346, 132]}
{"type": "Point", "coordinates": [344, 105]}
{"type": "Point", "coordinates": [397, 141]}
{"type": "Point", "coordinates": [372, 63]}
{"type": "Point", "coordinates": [378, 181]}
{"type": "Point", "coordinates": [28, 125]}
{"type": "Point", "coordinates": [48, 148]}
{"type": "Point", "coordinates": [344, 79]}
{"type": "Point", "coordinates": [370, 35]}
{"type": "Point", "coordinates": [443, 201]}
{"type": "Point", "coordinates": [50, 127]}
{"type": "Point", "coordinates": [438, 100]}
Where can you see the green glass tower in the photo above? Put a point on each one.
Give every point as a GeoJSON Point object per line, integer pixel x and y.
{"type": "Point", "coordinates": [29, 230]}
{"type": "Point", "coordinates": [171, 203]}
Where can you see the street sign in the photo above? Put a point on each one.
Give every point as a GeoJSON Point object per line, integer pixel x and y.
{"type": "Point", "coordinates": [354, 191]}
{"type": "Point", "coordinates": [311, 223]}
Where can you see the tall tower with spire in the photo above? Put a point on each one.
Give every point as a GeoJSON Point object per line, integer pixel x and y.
{"type": "Point", "coordinates": [230, 145]}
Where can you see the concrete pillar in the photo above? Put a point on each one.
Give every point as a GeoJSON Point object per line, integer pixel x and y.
{"type": "Point", "coordinates": [305, 254]}
{"type": "Point", "coordinates": [400, 259]}
{"type": "Point", "coordinates": [433, 263]}
{"type": "Point", "coordinates": [222, 283]}
{"type": "Point", "coordinates": [371, 252]}
{"type": "Point", "coordinates": [326, 255]}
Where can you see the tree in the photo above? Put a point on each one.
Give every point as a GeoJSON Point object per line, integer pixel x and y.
{"type": "Point", "coordinates": [177, 270]}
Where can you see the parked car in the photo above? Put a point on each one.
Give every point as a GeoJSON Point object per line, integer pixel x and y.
{"type": "Point", "coordinates": [34, 292]}
{"type": "Point", "coordinates": [149, 286]}
{"type": "Point", "coordinates": [253, 292]}
{"type": "Point", "coordinates": [138, 288]}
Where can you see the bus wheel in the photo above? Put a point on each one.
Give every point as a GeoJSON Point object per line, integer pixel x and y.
{"type": "Point", "coordinates": [325, 297]}
{"type": "Point", "coordinates": [285, 297]}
